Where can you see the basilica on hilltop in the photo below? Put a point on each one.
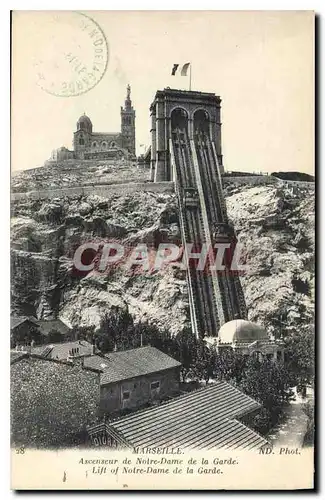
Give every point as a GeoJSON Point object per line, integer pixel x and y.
{"type": "Point", "coordinates": [90, 145]}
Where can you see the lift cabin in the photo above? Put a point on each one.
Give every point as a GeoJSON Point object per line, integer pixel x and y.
{"type": "Point", "coordinates": [225, 233]}
{"type": "Point", "coordinates": [201, 124]}
{"type": "Point", "coordinates": [179, 120]}
{"type": "Point", "coordinates": [190, 198]}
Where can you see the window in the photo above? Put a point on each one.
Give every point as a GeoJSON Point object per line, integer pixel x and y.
{"type": "Point", "coordinates": [126, 395]}
{"type": "Point", "coordinates": [94, 144]}
{"type": "Point", "coordinates": [154, 386]}
{"type": "Point", "coordinates": [81, 141]}
{"type": "Point", "coordinates": [104, 145]}
{"type": "Point", "coordinates": [258, 355]}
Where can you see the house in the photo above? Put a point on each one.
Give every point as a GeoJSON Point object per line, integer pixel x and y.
{"type": "Point", "coordinates": [208, 419]}
{"type": "Point", "coordinates": [55, 330]}
{"type": "Point", "coordinates": [64, 351]}
{"type": "Point", "coordinates": [22, 321]}
{"type": "Point", "coordinates": [51, 401]}
{"type": "Point", "coordinates": [130, 379]}
{"type": "Point", "coordinates": [23, 329]}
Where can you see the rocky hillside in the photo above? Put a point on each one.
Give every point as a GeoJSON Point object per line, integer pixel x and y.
{"type": "Point", "coordinates": [75, 173]}
{"type": "Point", "coordinates": [275, 225]}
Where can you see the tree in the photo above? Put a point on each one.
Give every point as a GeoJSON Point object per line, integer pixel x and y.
{"type": "Point", "coordinates": [308, 409]}
{"type": "Point", "coordinates": [84, 333]}
{"type": "Point", "coordinates": [152, 335]}
{"type": "Point", "coordinates": [187, 344]}
{"type": "Point", "coordinates": [115, 330]}
{"type": "Point", "coordinates": [300, 355]}
{"type": "Point", "coordinates": [55, 336]}
{"type": "Point", "coordinates": [203, 362]}
{"type": "Point", "coordinates": [267, 382]}
{"type": "Point", "coordinates": [229, 366]}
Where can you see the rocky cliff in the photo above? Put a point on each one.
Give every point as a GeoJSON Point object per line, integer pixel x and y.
{"type": "Point", "coordinates": [275, 225]}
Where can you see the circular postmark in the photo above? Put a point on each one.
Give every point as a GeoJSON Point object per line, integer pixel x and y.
{"type": "Point", "coordinates": [71, 53]}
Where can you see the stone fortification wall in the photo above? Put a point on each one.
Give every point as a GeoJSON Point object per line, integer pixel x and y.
{"type": "Point", "coordinates": [249, 179]}
{"type": "Point", "coordinates": [263, 179]}
{"type": "Point", "coordinates": [99, 190]}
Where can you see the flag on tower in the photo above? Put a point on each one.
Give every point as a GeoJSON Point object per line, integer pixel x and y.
{"type": "Point", "coordinates": [184, 69]}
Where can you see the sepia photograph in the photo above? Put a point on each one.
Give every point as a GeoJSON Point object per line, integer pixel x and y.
{"type": "Point", "coordinates": [162, 250]}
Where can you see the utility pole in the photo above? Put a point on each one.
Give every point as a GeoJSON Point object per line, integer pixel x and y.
{"type": "Point", "coordinates": [281, 323]}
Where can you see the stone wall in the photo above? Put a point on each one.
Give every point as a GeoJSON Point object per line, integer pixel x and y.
{"type": "Point", "coordinates": [249, 180]}
{"type": "Point", "coordinates": [76, 163]}
{"type": "Point", "coordinates": [304, 184]}
{"type": "Point", "coordinates": [99, 190]}
{"type": "Point", "coordinates": [263, 179]}
{"type": "Point", "coordinates": [139, 390]}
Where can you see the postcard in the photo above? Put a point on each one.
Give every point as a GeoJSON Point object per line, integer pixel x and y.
{"type": "Point", "coordinates": [162, 250]}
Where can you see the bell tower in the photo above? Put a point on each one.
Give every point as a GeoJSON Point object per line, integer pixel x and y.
{"type": "Point", "coordinates": [128, 123]}
{"type": "Point", "coordinates": [82, 136]}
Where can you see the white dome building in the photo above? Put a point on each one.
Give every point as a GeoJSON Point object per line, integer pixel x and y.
{"type": "Point", "coordinates": [247, 338]}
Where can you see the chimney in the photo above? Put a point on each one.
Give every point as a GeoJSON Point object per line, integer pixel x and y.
{"type": "Point", "coordinates": [141, 341]}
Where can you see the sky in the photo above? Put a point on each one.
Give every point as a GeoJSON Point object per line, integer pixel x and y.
{"type": "Point", "coordinates": [260, 63]}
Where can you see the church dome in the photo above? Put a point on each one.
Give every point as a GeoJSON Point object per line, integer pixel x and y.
{"type": "Point", "coordinates": [84, 123]}
{"type": "Point", "coordinates": [240, 330]}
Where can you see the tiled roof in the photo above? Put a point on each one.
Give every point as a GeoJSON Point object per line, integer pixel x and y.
{"type": "Point", "coordinates": [46, 326]}
{"type": "Point", "coordinates": [202, 419]}
{"type": "Point", "coordinates": [123, 365]}
{"type": "Point", "coordinates": [110, 134]}
{"type": "Point", "coordinates": [45, 353]}
{"type": "Point", "coordinates": [61, 350]}
{"type": "Point", "coordinates": [16, 355]}
{"type": "Point", "coordinates": [18, 320]}
{"type": "Point", "coordinates": [96, 362]}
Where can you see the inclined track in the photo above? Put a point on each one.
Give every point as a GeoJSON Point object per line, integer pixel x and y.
{"type": "Point", "coordinates": [214, 299]}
